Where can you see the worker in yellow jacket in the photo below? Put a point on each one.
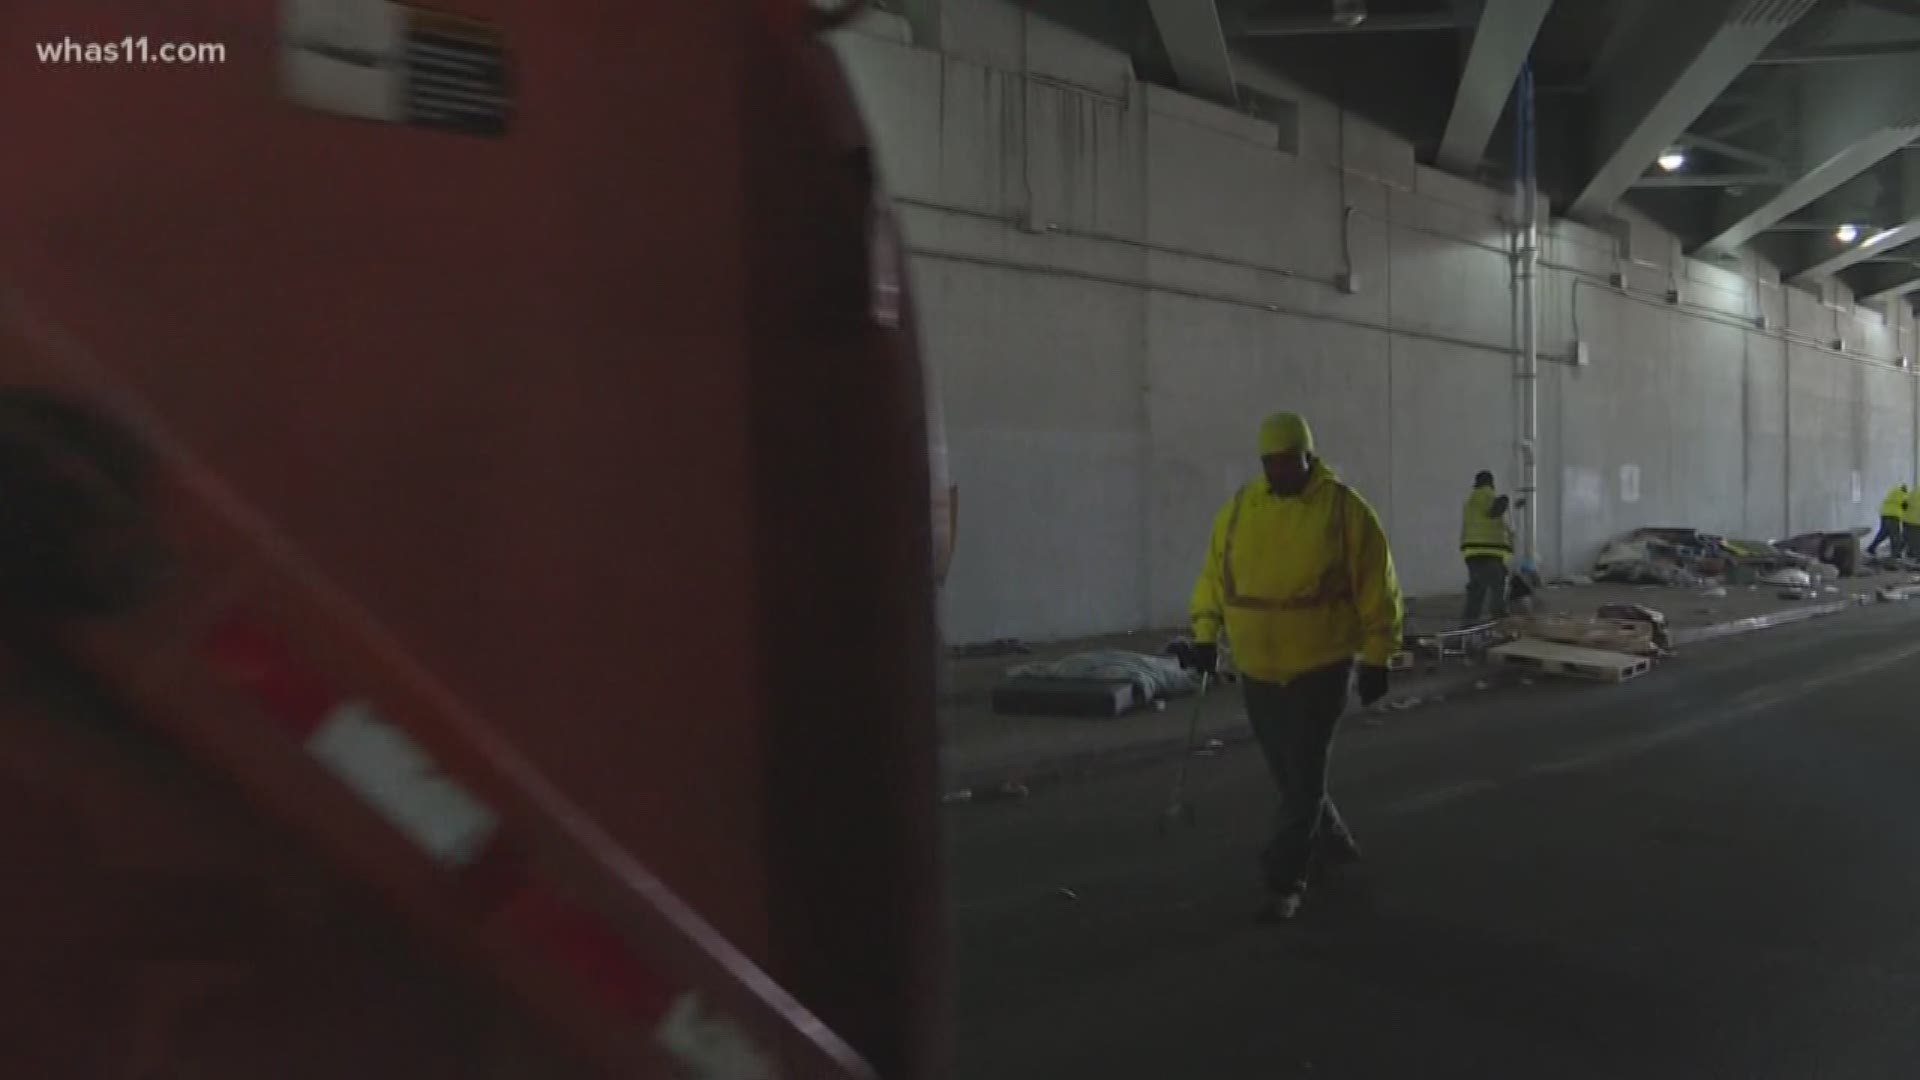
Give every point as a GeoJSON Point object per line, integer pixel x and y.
{"type": "Point", "coordinates": [1910, 526]}
{"type": "Point", "coordinates": [1893, 514]}
{"type": "Point", "coordinates": [1299, 578]}
{"type": "Point", "coordinates": [1486, 542]}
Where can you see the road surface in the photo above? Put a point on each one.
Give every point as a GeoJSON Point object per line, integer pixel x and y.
{"type": "Point", "coordinates": [1711, 872]}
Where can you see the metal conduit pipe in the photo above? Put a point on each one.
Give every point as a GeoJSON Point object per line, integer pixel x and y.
{"type": "Point", "coordinates": [1526, 284]}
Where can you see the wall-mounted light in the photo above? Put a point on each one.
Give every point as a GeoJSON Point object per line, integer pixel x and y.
{"type": "Point", "coordinates": [1672, 159]}
{"type": "Point", "coordinates": [1847, 234]}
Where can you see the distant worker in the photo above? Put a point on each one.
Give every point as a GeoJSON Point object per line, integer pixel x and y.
{"type": "Point", "coordinates": [1300, 578]}
{"type": "Point", "coordinates": [1910, 526]}
{"type": "Point", "coordinates": [1893, 514]}
{"type": "Point", "coordinates": [1486, 541]}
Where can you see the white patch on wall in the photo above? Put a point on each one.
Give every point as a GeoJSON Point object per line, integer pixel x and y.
{"type": "Point", "coordinates": [1856, 485]}
{"type": "Point", "coordinates": [1585, 494]}
{"type": "Point", "coordinates": [1629, 484]}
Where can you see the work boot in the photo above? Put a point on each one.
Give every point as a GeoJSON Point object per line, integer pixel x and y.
{"type": "Point", "coordinates": [1279, 908]}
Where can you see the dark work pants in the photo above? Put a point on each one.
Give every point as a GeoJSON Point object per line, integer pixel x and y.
{"type": "Point", "coordinates": [1890, 530]}
{"type": "Point", "coordinates": [1295, 725]}
{"type": "Point", "coordinates": [1486, 580]}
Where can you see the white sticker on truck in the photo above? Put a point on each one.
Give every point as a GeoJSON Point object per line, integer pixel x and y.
{"type": "Point", "coordinates": [710, 1047]}
{"type": "Point", "coordinates": [396, 63]}
{"type": "Point", "coordinates": [345, 56]}
{"type": "Point", "coordinates": [390, 771]}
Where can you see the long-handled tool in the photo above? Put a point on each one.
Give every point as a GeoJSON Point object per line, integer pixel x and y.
{"type": "Point", "coordinates": [1179, 807]}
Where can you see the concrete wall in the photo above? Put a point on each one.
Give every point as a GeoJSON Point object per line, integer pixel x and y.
{"type": "Point", "coordinates": [1117, 282]}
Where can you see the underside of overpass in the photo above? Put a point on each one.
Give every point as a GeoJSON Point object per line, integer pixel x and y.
{"type": "Point", "coordinates": [1139, 225]}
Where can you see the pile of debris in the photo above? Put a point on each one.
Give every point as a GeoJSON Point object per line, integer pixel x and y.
{"type": "Point", "coordinates": [1619, 643]}
{"type": "Point", "coordinates": [1689, 558]}
{"type": "Point", "coordinates": [1621, 628]}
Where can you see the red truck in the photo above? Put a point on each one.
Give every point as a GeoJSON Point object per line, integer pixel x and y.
{"type": "Point", "coordinates": [464, 550]}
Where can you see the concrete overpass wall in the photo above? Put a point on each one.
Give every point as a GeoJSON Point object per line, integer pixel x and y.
{"type": "Point", "coordinates": [1116, 282]}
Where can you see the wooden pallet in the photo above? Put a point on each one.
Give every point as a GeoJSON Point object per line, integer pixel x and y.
{"type": "Point", "coordinates": [1552, 658]}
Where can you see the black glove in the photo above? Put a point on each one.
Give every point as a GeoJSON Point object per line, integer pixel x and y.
{"type": "Point", "coordinates": [1199, 658]}
{"type": "Point", "coordinates": [1372, 684]}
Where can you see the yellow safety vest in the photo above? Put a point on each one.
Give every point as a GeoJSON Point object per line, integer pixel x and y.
{"type": "Point", "coordinates": [1482, 536]}
{"type": "Point", "coordinates": [1895, 504]}
{"type": "Point", "coordinates": [1300, 583]}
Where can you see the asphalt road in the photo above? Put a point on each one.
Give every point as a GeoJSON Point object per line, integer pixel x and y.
{"type": "Point", "coordinates": [1711, 872]}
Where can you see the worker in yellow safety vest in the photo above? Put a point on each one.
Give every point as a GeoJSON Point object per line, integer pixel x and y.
{"type": "Point", "coordinates": [1486, 542]}
{"type": "Point", "coordinates": [1299, 577]}
{"type": "Point", "coordinates": [1910, 526]}
{"type": "Point", "coordinates": [1893, 514]}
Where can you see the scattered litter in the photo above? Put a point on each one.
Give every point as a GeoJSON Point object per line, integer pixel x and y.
{"type": "Point", "coordinates": [1065, 893]}
{"type": "Point", "coordinates": [1791, 579]}
{"type": "Point", "coordinates": [1526, 682]}
{"type": "Point", "coordinates": [1160, 705]}
{"type": "Point", "coordinates": [1831, 589]}
{"type": "Point", "coordinates": [1482, 685]}
{"type": "Point", "coordinates": [1403, 704]}
{"type": "Point", "coordinates": [1013, 789]}
{"type": "Point", "coordinates": [963, 795]}
{"type": "Point", "coordinates": [1797, 594]}
{"type": "Point", "coordinates": [1718, 592]}
{"type": "Point", "coordinates": [1213, 744]}
{"type": "Point", "coordinates": [1579, 580]}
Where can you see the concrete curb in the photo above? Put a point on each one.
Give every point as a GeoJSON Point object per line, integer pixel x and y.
{"type": "Point", "coordinates": [1764, 622]}
{"type": "Point", "coordinates": [987, 783]}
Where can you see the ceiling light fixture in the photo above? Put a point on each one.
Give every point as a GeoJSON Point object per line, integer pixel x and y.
{"type": "Point", "coordinates": [1671, 160]}
{"type": "Point", "coordinates": [1847, 234]}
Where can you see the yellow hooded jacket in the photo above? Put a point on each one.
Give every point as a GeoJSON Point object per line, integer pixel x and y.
{"type": "Point", "coordinates": [1299, 583]}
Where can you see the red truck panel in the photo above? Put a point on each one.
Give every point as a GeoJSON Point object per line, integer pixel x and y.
{"type": "Point", "coordinates": [581, 436]}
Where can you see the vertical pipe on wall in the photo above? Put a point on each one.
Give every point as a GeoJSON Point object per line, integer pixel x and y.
{"type": "Point", "coordinates": [1527, 288]}
{"type": "Point", "coordinates": [1786, 426]}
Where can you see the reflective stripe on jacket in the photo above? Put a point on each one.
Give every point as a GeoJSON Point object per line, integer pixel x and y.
{"type": "Point", "coordinates": [1483, 535]}
{"type": "Point", "coordinates": [1895, 504]}
{"type": "Point", "coordinates": [1299, 583]}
